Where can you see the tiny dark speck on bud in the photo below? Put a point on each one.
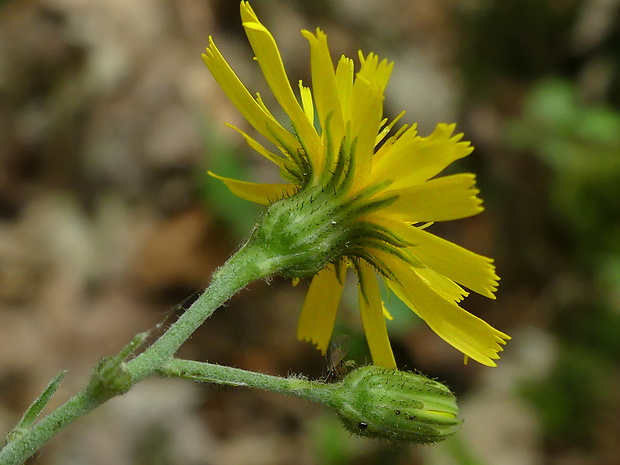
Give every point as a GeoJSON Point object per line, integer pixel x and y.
{"type": "Point", "coordinates": [397, 412]}
{"type": "Point", "coordinates": [361, 425]}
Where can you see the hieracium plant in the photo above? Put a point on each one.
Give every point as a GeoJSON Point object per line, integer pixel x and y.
{"type": "Point", "coordinates": [358, 194]}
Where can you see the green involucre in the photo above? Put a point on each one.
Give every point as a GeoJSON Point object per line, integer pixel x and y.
{"type": "Point", "coordinates": [316, 227]}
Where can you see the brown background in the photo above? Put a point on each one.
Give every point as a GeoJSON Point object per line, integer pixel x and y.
{"type": "Point", "coordinates": [109, 225]}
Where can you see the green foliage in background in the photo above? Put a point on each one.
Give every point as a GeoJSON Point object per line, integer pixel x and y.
{"type": "Point", "coordinates": [519, 39]}
{"type": "Point", "coordinates": [225, 158]}
{"type": "Point", "coordinates": [579, 142]}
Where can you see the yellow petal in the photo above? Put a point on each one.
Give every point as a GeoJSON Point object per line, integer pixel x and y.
{"type": "Point", "coordinates": [324, 86]}
{"type": "Point", "coordinates": [257, 146]}
{"type": "Point", "coordinates": [444, 286]}
{"type": "Point", "coordinates": [467, 268]}
{"type": "Point", "coordinates": [397, 147]}
{"type": "Point", "coordinates": [318, 314]}
{"type": "Point", "coordinates": [263, 194]}
{"type": "Point", "coordinates": [385, 130]}
{"type": "Point", "coordinates": [441, 199]}
{"type": "Point", "coordinates": [386, 312]}
{"type": "Point", "coordinates": [367, 112]}
{"type": "Point", "coordinates": [373, 319]}
{"type": "Point", "coordinates": [344, 82]}
{"type": "Point", "coordinates": [378, 175]}
{"type": "Point", "coordinates": [306, 101]}
{"type": "Point", "coordinates": [420, 158]}
{"type": "Point", "coordinates": [261, 120]}
{"type": "Point", "coordinates": [270, 62]}
{"type": "Point", "coordinates": [464, 331]}
{"type": "Point", "coordinates": [375, 71]}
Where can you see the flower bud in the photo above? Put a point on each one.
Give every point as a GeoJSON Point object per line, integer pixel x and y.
{"type": "Point", "coordinates": [390, 404]}
{"type": "Point", "coordinates": [109, 378]}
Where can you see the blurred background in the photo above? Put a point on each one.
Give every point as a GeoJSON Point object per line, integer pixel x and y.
{"type": "Point", "coordinates": [110, 226]}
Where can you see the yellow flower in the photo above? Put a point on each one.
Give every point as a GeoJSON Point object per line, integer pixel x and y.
{"type": "Point", "coordinates": [379, 193]}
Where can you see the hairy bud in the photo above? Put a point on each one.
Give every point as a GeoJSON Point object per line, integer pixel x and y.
{"type": "Point", "coordinates": [387, 403]}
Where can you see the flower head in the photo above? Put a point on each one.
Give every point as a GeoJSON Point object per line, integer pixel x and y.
{"type": "Point", "coordinates": [356, 197]}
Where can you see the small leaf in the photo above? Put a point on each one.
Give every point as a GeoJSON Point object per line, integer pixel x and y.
{"type": "Point", "coordinates": [35, 409]}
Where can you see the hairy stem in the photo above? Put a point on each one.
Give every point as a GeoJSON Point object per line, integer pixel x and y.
{"type": "Point", "coordinates": [313, 391]}
{"type": "Point", "coordinates": [248, 264]}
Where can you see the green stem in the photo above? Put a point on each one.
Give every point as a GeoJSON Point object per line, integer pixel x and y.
{"type": "Point", "coordinates": [250, 263]}
{"type": "Point", "coordinates": [313, 391]}
{"type": "Point", "coordinates": [247, 265]}
{"type": "Point", "coordinates": [16, 452]}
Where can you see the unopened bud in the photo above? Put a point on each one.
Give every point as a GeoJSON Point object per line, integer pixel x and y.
{"type": "Point", "coordinates": [387, 403]}
{"type": "Point", "coordinates": [111, 377]}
